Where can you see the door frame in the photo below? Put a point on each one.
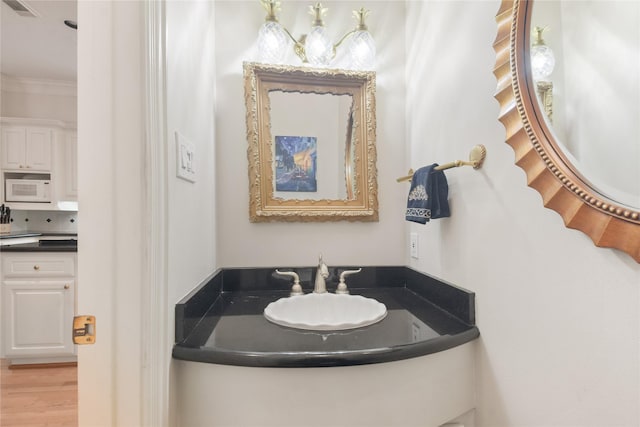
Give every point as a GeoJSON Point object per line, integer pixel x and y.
{"type": "Point", "coordinates": [123, 379]}
{"type": "Point", "coordinates": [158, 341]}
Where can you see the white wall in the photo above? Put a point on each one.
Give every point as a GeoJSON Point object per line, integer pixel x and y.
{"type": "Point", "coordinates": [190, 79]}
{"type": "Point", "coordinates": [242, 243]}
{"type": "Point", "coordinates": [39, 99]}
{"type": "Point", "coordinates": [559, 318]}
{"type": "Point", "coordinates": [190, 111]}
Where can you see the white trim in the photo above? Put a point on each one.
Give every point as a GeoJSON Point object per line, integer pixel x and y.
{"type": "Point", "coordinates": [38, 86]}
{"type": "Point", "coordinates": [26, 121]}
{"type": "Point", "coordinates": [157, 343]}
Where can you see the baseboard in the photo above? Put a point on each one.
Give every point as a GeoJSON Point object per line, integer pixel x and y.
{"type": "Point", "coordinates": [44, 365]}
{"type": "Point", "coordinates": [41, 362]}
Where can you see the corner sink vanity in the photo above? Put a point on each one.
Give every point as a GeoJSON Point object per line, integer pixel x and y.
{"type": "Point", "coordinates": [413, 365]}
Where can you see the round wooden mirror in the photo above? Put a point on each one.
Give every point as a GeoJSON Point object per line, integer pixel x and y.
{"type": "Point", "coordinates": [549, 171]}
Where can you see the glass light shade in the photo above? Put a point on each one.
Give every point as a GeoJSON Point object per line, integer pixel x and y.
{"type": "Point", "coordinates": [542, 61]}
{"type": "Point", "coordinates": [273, 43]}
{"type": "Point", "coordinates": [318, 47]}
{"type": "Point", "coordinates": [362, 51]}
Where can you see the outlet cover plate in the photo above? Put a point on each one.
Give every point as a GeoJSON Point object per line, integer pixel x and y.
{"type": "Point", "coordinates": [413, 245]}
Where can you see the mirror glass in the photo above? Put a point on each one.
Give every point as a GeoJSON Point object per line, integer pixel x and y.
{"type": "Point", "coordinates": [311, 140]}
{"type": "Point", "coordinates": [311, 135]}
{"type": "Point", "coordinates": [582, 154]}
{"type": "Point", "coordinates": [596, 90]}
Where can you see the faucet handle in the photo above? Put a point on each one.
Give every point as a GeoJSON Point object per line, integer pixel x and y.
{"type": "Point", "coordinates": [296, 289]}
{"type": "Point", "coordinates": [342, 286]}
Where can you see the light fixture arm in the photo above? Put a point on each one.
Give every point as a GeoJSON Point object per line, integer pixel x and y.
{"type": "Point", "coordinates": [298, 45]}
{"type": "Point", "coordinates": [360, 16]}
{"type": "Point", "coordinates": [346, 36]}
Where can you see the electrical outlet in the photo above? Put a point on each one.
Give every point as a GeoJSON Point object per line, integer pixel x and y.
{"type": "Point", "coordinates": [413, 245]}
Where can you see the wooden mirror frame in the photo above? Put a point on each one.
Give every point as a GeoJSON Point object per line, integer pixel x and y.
{"type": "Point", "coordinates": [259, 80]}
{"type": "Point", "coordinates": [548, 169]}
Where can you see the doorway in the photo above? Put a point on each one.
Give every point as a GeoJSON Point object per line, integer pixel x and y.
{"type": "Point", "coordinates": [39, 84]}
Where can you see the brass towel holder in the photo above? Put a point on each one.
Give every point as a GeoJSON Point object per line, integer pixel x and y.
{"type": "Point", "coordinates": [476, 158]}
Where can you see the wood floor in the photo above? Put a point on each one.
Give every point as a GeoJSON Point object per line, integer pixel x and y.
{"type": "Point", "coordinates": [42, 396]}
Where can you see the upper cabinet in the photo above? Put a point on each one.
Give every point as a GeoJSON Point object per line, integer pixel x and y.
{"type": "Point", "coordinates": [38, 147]}
{"type": "Point", "coordinates": [26, 148]}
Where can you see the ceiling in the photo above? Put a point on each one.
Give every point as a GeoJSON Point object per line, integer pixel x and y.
{"type": "Point", "coordinates": [41, 47]}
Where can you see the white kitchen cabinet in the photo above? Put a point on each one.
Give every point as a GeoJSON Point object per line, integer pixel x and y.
{"type": "Point", "coordinates": [38, 306]}
{"type": "Point", "coordinates": [26, 148]}
{"type": "Point", "coordinates": [68, 191]}
{"type": "Point", "coordinates": [39, 316]}
{"type": "Point", "coordinates": [29, 146]}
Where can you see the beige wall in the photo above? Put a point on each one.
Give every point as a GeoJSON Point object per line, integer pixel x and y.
{"type": "Point", "coordinates": [559, 318]}
{"type": "Point", "coordinates": [191, 207]}
{"type": "Point", "coordinates": [242, 243]}
{"type": "Point", "coordinates": [190, 111]}
{"type": "Point", "coordinates": [38, 99]}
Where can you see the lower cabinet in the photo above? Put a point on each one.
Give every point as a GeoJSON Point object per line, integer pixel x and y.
{"type": "Point", "coordinates": [38, 298]}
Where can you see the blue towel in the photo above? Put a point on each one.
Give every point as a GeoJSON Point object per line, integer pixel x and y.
{"type": "Point", "coordinates": [428, 195]}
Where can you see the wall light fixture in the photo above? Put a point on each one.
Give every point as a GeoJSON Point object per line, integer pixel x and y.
{"type": "Point", "coordinates": [542, 64]}
{"type": "Point", "coordinates": [315, 48]}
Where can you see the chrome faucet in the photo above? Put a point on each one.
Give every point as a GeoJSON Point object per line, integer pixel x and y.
{"type": "Point", "coordinates": [321, 275]}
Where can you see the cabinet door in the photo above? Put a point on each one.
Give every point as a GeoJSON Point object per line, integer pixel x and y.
{"type": "Point", "coordinates": [26, 148]}
{"type": "Point", "coordinates": [38, 318]}
{"type": "Point", "coordinates": [38, 149]}
{"type": "Point", "coordinates": [14, 141]}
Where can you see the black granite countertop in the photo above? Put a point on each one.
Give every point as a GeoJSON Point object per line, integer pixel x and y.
{"type": "Point", "coordinates": [58, 245]}
{"type": "Point", "coordinates": [222, 320]}
{"type": "Point", "coordinates": [19, 234]}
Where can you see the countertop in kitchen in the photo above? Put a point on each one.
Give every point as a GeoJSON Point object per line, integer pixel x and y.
{"type": "Point", "coordinates": [19, 234]}
{"type": "Point", "coordinates": [39, 242]}
{"type": "Point", "coordinates": [222, 321]}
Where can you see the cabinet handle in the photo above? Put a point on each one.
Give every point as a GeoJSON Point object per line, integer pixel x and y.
{"type": "Point", "coordinates": [21, 166]}
{"type": "Point", "coordinates": [36, 267]}
{"type": "Point", "coordinates": [66, 286]}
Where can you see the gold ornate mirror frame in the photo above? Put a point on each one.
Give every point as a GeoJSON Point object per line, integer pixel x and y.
{"type": "Point", "coordinates": [361, 202]}
{"type": "Point", "coordinates": [548, 170]}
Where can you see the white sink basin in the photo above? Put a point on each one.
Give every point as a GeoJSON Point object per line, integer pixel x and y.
{"type": "Point", "coordinates": [325, 312]}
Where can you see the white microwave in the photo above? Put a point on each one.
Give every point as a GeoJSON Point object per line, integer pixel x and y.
{"type": "Point", "coordinates": [28, 190]}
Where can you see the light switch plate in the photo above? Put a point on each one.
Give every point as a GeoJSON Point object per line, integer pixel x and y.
{"type": "Point", "coordinates": [185, 158]}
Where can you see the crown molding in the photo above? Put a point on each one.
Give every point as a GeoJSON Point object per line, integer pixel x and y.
{"type": "Point", "coordinates": [30, 121]}
{"type": "Point", "coordinates": [37, 86]}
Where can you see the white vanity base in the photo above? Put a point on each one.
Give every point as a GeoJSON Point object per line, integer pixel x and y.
{"type": "Point", "coordinates": [425, 391]}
